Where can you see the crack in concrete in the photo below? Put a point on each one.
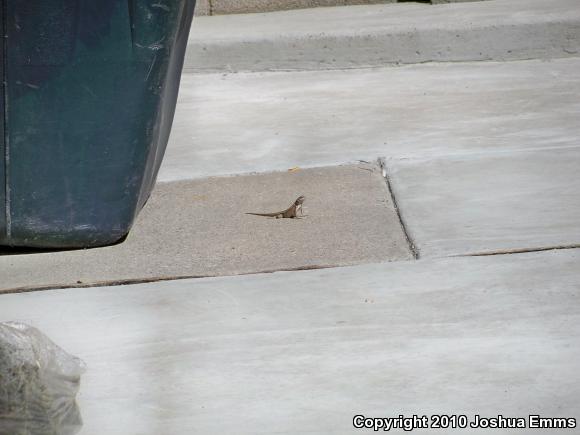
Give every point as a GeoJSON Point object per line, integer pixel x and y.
{"type": "Point", "coordinates": [412, 247]}
{"type": "Point", "coordinates": [132, 281]}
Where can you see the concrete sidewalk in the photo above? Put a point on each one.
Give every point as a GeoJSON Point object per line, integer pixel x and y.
{"type": "Point", "coordinates": [482, 158]}
{"type": "Point", "coordinates": [377, 35]}
{"type": "Point", "coordinates": [256, 122]}
{"type": "Point", "coordinates": [489, 204]}
{"type": "Point", "coordinates": [303, 352]}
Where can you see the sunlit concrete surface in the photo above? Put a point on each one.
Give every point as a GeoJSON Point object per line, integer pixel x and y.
{"type": "Point", "coordinates": [303, 352]}
{"type": "Point", "coordinates": [483, 157]}
{"type": "Point", "coordinates": [359, 36]}
{"type": "Point", "coordinates": [239, 123]}
{"type": "Point", "coordinates": [199, 228]}
{"type": "Point", "coordinates": [482, 203]}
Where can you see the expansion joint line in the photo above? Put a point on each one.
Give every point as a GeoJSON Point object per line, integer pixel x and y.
{"type": "Point", "coordinates": [520, 250]}
{"type": "Point", "coordinates": [383, 165]}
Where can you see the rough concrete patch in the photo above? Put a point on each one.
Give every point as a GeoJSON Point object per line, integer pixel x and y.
{"type": "Point", "coordinates": [198, 228]}
{"type": "Point", "coordinates": [202, 7]}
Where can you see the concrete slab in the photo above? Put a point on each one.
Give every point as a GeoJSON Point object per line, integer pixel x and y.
{"type": "Point", "coordinates": [490, 203]}
{"type": "Point", "coordinates": [199, 228]}
{"type": "Point", "coordinates": [303, 352]}
{"type": "Point", "coordinates": [259, 6]}
{"type": "Point", "coordinates": [375, 35]}
{"type": "Point", "coordinates": [273, 121]}
{"type": "Point", "coordinates": [220, 7]}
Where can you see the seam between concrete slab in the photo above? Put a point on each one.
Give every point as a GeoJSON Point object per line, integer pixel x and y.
{"type": "Point", "coordinates": [130, 281]}
{"type": "Point", "coordinates": [395, 64]}
{"type": "Point", "coordinates": [398, 64]}
{"type": "Point", "coordinates": [520, 251]}
{"type": "Point", "coordinates": [412, 247]}
{"type": "Point", "coordinates": [194, 71]}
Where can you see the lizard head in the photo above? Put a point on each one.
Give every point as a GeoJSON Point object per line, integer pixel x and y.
{"type": "Point", "coordinates": [299, 200]}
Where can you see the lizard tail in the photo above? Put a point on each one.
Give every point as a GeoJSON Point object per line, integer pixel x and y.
{"type": "Point", "coordinates": [260, 214]}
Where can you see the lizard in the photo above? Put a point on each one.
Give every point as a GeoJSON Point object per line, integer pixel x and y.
{"type": "Point", "coordinates": [291, 212]}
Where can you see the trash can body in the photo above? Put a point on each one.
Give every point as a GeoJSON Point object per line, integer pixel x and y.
{"type": "Point", "coordinates": [88, 99]}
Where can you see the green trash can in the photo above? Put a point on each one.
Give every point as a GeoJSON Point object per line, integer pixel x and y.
{"type": "Point", "coordinates": [88, 97]}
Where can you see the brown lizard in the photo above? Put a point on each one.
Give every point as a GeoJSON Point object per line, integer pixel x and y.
{"type": "Point", "coordinates": [291, 212]}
